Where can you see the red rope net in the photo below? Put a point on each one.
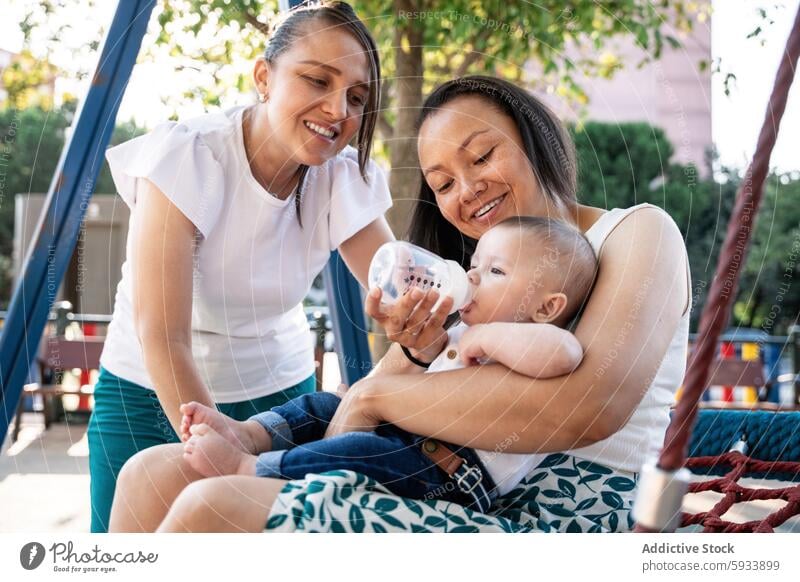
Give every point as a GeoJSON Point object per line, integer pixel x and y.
{"type": "Point", "coordinates": [735, 493]}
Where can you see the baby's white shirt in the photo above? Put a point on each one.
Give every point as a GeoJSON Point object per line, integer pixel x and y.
{"type": "Point", "coordinates": [505, 469]}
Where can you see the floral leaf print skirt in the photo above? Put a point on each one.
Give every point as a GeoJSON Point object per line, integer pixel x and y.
{"type": "Point", "coordinates": [563, 494]}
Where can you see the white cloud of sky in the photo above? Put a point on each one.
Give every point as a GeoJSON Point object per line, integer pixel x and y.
{"type": "Point", "coordinates": [737, 119]}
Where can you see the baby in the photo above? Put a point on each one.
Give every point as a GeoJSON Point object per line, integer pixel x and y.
{"type": "Point", "coordinates": [524, 270]}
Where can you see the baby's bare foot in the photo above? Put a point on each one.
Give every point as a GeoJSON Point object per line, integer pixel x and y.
{"type": "Point", "coordinates": [210, 454]}
{"type": "Point", "coordinates": [231, 430]}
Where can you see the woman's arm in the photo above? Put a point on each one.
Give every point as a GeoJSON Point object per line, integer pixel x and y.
{"type": "Point", "coordinates": [635, 308]}
{"type": "Point", "coordinates": [162, 255]}
{"type": "Point", "coordinates": [537, 350]}
{"type": "Point", "coordinates": [358, 250]}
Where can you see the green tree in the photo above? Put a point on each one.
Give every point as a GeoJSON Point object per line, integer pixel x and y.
{"type": "Point", "coordinates": [768, 295]}
{"type": "Point", "coordinates": [621, 165]}
{"type": "Point", "coordinates": [28, 82]}
{"type": "Point", "coordinates": [32, 140]}
{"type": "Point", "coordinates": [422, 43]}
{"type": "Point", "coordinates": [432, 42]}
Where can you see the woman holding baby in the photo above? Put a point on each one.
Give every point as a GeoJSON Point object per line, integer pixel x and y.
{"type": "Point", "coordinates": [488, 151]}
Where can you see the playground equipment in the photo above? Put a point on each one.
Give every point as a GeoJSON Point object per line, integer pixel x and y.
{"type": "Point", "coordinates": [663, 485]}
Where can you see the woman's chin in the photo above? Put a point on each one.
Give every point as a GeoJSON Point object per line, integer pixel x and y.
{"type": "Point", "coordinates": [313, 155]}
{"type": "Point", "coordinates": [314, 158]}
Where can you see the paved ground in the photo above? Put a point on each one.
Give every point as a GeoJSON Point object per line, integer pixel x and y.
{"type": "Point", "coordinates": [44, 479]}
{"type": "Point", "coordinates": [44, 483]}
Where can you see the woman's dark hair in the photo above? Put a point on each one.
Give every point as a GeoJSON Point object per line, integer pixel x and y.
{"type": "Point", "coordinates": [292, 26]}
{"type": "Point", "coordinates": [546, 142]}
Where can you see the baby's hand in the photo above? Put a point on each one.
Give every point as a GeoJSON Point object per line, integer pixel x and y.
{"type": "Point", "coordinates": [471, 345]}
{"type": "Point", "coordinates": [211, 455]}
{"type": "Point", "coordinates": [231, 430]}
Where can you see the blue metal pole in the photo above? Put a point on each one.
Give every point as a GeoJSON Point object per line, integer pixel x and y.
{"type": "Point", "coordinates": [67, 198]}
{"type": "Point", "coordinates": [349, 322]}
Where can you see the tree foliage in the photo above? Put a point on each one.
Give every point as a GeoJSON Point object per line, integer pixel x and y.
{"type": "Point", "coordinates": [32, 140]}
{"type": "Point", "coordinates": [547, 44]}
{"type": "Point", "coordinates": [28, 82]}
{"type": "Point", "coordinates": [459, 37]}
{"type": "Point", "coordinates": [621, 165]}
{"type": "Point", "coordinates": [769, 296]}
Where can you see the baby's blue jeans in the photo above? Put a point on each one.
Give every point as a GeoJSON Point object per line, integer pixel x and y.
{"type": "Point", "coordinates": [390, 455]}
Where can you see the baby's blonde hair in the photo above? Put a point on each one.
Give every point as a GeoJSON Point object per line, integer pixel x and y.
{"type": "Point", "coordinates": [575, 260]}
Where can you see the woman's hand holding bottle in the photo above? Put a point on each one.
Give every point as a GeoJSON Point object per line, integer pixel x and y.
{"type": "Point", "coordinates": [410, 321]}
{"type": "Point", "coordinates": [412, 291]}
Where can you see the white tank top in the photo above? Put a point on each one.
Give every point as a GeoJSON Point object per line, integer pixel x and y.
{"type": "Point", "coordinates": [643, 435]}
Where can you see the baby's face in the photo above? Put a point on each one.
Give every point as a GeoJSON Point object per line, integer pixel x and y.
{"type": "Point", "coordinates": [508, 279]}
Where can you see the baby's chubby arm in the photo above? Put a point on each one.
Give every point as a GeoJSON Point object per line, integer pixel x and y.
{"type": "Point", "coordinates": [538, 350]}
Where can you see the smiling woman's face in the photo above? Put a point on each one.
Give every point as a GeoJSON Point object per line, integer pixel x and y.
{"type": "Point", "coordinates": [317, 92]}
{"type": "Point", "coordinates": [473, 159]}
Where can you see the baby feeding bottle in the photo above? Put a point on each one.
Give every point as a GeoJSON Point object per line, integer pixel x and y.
{"type": "Point", "coordinates": [398, 267]}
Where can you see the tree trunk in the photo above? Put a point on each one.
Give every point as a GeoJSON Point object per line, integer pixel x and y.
{"type": "Point", "coordinates": [404, 177]}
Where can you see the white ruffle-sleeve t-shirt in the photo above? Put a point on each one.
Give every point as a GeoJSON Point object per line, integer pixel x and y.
{"type": "Point", "coordinates": [254, 262]}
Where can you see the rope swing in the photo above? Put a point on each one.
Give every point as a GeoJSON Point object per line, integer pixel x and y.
{"type": "Point", "coordinates": [662, 486]}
